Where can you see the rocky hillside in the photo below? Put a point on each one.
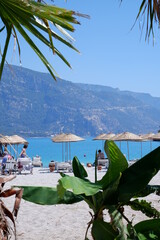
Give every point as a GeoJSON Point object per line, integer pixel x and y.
{"type": "Point", "coordinates": [33, 104]}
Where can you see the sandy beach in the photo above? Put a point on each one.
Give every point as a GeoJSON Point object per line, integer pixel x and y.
{"type": "Point", "coordinates": [58, 222]}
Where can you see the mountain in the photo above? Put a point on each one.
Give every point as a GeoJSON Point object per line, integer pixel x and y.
{"type": "Point", "coordinates": [33, 104]}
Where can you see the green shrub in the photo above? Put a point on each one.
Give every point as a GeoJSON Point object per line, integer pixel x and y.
{"type": "Point", "coordinates": [120, 186]}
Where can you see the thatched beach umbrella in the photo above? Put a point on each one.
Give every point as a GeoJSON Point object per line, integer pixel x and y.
{"type": "Point", "coordinates": [5, 140]}
{"type": "Point", "coordinates": [103, 137]}
{"type": "Point", "coordinates": [12, 140]}
{"type": "Point", "coordinates": [127, 136]}
{"type": "Point", "coordinates": [115, 138]}
{"type": "Point", "coordinates": [99, 137]}
{"type": "Point", "coordinates": [156, 137]}
{"type": "Point", "coordinates": [15, 139]}
{"type": "Point", "coordinates": [108, 136]}
{"type": "Point", "coordinates": [57, 138]}
{"type": "Point", "coordinates": [66, 138]}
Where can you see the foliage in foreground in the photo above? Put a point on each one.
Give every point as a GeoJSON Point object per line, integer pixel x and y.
{"type": "Point", "coordinates": [148, 15]}
{"type": "Point", "coordinates": [5, 214]}
{"type": "Point", "coordinates": [120, 186]}
{"type": "Point", "coordinates": [36, 20]}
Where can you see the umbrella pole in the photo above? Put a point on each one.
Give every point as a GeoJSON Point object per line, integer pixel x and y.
{"type": "Point", "coordinates": [69, 151]}
{"type": "Point", "coordinates": [128, 150]}
{"type": "Point", "coordinates": [66, 150]}
{"type": "Point", "coordinates": [62, 152]}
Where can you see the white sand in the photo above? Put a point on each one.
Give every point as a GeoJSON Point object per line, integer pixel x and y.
{"type": "Point", "coordinates": [58, 222]}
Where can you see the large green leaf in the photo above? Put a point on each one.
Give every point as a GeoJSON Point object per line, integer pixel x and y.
{"type": "Point", "coordinates": [117, 164]}
{"type": "Point", "coordinates": [117, 223]}
{"type": "Point", "coordinates": [110, 193]}
{"type": "Point", "coordinates": [149, 228]}
{"type": "Point", "coordinates": [148, 190]}
{"type": "Point", "coordinates": [135, 178]}
{"type": "Point", "coordinates": [78, 169]}
{"type": "Point", "coordinates": [47, 196]}
{"type": "Point", "coordinates": [102, 230]}
{"type": "Point", "coordinates": [79, 186]}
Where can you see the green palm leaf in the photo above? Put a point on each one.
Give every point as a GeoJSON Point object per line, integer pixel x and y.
{"type": "Point", "coordinates": [36, 18]}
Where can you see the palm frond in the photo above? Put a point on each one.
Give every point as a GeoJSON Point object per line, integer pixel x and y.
{"type": "Point", "coordinates": [36, 17]}
{"type": "Point", "coordinates": [149, 10]}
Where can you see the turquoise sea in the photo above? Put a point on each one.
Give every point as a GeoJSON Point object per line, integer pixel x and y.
{"type": "Point", "coordinates": [84, 150]}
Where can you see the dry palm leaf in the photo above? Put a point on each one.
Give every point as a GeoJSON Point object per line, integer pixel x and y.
{"type": "Point", "coordinates": [5, 214]}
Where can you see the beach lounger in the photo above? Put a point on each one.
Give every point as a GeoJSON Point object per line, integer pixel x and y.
{"type": "Point", "coordinates": [24, 165]}
{"type": "Point", "coordinates": [63, 166]}
{"type": "Point", "coordinates": [11, 167]}
{"type": "Point", "coordinates": [103, 162]}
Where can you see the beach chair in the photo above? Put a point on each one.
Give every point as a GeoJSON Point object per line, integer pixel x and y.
{"type": "Point", "coordinates": [24, 165]}
{"type": "Point", "coordinates": [63, 166]}
{"type": "Point", "coordinates": [11, 167]}
{"type": "Point", "coordinates": [37, 161]}
{"type": "Point", "coordinates": [103, 162]}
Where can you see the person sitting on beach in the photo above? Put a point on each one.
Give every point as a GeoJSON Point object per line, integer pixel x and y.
{"type": "Point", "coordinates": [6, 158]}
{"type": "Point", "coordinates": [100, 155]}
{"type": "Point", "coordinates": [23, 153]}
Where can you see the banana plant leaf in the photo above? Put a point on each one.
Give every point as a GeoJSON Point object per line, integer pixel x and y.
{"type": "Point", "coordinates": [148, 190]}
{"type": "Point", "coordinates": [135, 178]}
{"type": "Point", "coordinates": [149, 228]}
{"type": "Point", "coordinates": [79, 186]}
{"type": "Point", "coordinates": [102, 230]}
{"type": "Point", "coordinates": [117, 164]}
{"type": "Point", "coordinates": [117, 223]}
{"type": "Point", "coordinates": [48, 196]}
{"type": "Point", "coordinates": [78, 169]}
{"type": "Point", "coordinates": [110, 193]}
{"type": "Point", "coordinates": [145, 207]}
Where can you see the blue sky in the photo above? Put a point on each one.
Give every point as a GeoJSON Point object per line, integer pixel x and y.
{"type": "Point", "coordinates": [111, 53]}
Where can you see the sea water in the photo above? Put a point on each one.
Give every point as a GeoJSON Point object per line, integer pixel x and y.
{"type": "Point", "coordinates": [84, 150]}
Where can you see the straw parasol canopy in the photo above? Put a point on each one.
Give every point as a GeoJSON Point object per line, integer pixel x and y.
{"type": "Point", "coordinates": [15, 139]}
{"type": "Point", "coordinates": [99, 137]}
{"type": "Point", "coordinates": [127, 136]}
{"type": "Point", "coordinates": [66, 138]}
{"type": "Point", "coordinates": [5, 139]}
{"type": "Point", "coordinates": [108, 136]}
{"type": "Point", "coordinates": [12, 141]}
{"type": "Point", "coordinates": [156, 137]}
{"type": "Point", "coordinates": [104, 136]}
{"type": "Point", "coordinates": [147, 136]}
{"type": "Point", "coordinates": [58, 137]}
